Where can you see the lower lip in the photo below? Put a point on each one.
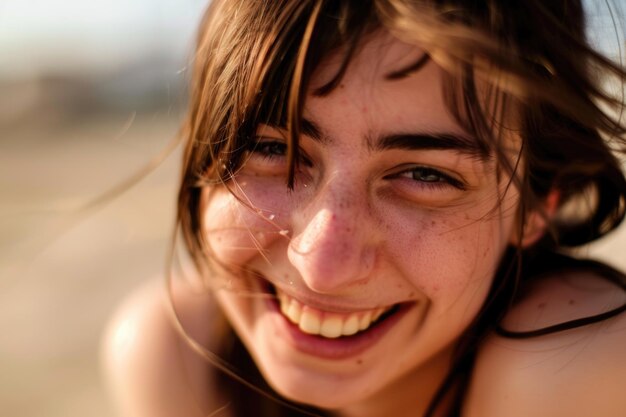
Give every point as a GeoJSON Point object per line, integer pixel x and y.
{"type": "Point", "coordinates": [341, 347]}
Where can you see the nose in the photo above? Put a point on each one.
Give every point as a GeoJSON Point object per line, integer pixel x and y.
{"type": "Point", "coordinates": [334, 247]}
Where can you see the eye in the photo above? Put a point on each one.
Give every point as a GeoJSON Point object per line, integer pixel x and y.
{"type": "Point", "coordinates": [269, 149]}
{"type": "Point", "coordinates": [424, 174]}
{"type": "Point", "coordinates": [274, 151]}
{"type": "Point", "coordinates": [429, 177]}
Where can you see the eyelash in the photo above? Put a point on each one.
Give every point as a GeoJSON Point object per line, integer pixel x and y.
{"type": "Point", "coordinates": [441, 181]}
{"type": "Point", "coordinates": [269, 149]}
{"type": "Point", "coordinates": [275, 152]}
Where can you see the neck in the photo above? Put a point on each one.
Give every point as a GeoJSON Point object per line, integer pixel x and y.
{"type": "Point", "coordinates": [410, 395]}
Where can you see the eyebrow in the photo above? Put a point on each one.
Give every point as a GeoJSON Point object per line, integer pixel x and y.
{"type": "Point", "coordinates": [430, 141]}
{"type": "Point", "coordinates": [313, 131]}
{"type": "Point", "coordinates": [410, 141]}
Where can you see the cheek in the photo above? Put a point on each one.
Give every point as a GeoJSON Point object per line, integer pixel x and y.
{"type": "Point", "coordinates": [451, 259]}
{"type": "Point", "coordinates": [239, 224]}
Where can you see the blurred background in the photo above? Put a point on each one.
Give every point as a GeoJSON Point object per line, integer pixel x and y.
{"type": "Point", "coordinates": [90, 93]}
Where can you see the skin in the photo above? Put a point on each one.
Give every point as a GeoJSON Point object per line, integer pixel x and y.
{"type": "Point", "coordinates": [577, 373]}
{"type": "Point", "coordinates": [360, 231]}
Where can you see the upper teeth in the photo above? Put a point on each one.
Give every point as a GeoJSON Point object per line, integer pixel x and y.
{"type": "Point", "coordinates": [313, 321]}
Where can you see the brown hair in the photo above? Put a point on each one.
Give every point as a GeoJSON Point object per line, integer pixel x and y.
{"type": "Point", "coordinates": [255, 57]}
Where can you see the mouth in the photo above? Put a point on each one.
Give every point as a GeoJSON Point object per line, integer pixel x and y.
{"type": "Point", "coordinates": [330, 331]}
{"type": "Point", "coordinates": [328, 334]}
{"type": "Point", "coordinates": [330, 325]}
{"type": "Point", "coordinates": [331, 334]}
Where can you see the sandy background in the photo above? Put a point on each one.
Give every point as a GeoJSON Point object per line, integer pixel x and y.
{"type": "Point", "coordinates": [62, 273]}
{"type": "Point", "coordinates": [90, 92]}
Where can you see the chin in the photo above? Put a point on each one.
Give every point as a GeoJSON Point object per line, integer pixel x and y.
{"type": "Point", "coordinates": [316, 397]}
{"type": "Point", "coordinates": [321, 391]}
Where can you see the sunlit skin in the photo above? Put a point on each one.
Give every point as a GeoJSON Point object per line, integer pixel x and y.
{"type": "Point", "coordinates": [366, 226]}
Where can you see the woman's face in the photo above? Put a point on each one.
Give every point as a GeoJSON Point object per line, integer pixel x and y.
{"type": "Point", "coordinates": [395, 214]}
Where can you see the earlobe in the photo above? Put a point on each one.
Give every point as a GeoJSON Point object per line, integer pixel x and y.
{"type": "Point", "coordinates": [536, 221]}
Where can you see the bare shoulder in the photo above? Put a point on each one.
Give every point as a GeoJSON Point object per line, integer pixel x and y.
{"type": "Point", "coordinates": [577, 372]}
{"type": "Point", "coordinates": [150, 369]}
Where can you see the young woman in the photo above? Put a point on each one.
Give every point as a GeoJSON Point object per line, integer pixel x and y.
{"type": "Point", "coordinates": [378, 197]}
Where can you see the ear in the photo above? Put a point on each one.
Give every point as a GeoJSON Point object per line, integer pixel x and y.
{"type": "Point", "coordinates": [536, 221]}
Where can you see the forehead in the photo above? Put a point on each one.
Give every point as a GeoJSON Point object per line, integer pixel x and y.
{"type": "Point", "coordinates": [367, 94]}
{"type": "Point", "coordinates": [367, 100]}
{"type": "Point", "coordinates": [380, 48]}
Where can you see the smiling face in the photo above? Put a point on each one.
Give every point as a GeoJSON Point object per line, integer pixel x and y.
{"type": "Point", "coordinates": [383, 252]}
